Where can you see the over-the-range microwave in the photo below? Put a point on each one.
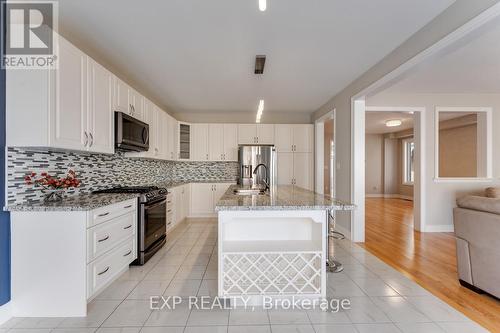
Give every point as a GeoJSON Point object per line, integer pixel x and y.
{"type": "Point", "coordinates": [131, 134]}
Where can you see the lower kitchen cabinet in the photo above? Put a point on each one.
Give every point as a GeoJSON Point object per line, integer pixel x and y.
{"type": "Point", "coordinates": [63, 259]}
{"type": "Point", "coordinates": [179, 205]}
{"type": "Point", "coordinates": [204, 197]}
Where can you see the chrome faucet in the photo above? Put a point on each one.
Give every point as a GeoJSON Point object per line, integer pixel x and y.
{"type": "Point", "coordinates": [266, 180]}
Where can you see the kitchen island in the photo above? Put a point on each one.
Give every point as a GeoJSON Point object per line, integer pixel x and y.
{"type": "Point", "coordinates": [273, 245]}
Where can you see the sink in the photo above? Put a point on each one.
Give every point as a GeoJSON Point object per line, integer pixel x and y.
{"type": "Point", "coordinates": [249, 191]}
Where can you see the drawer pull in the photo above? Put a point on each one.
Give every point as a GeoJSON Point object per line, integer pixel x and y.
{"type": "Point", "coordinates": [104, 271]}
{"type": "Point", "coordinates": [103, 214]}
{"type": "Point", "coordinates": [128, 227]}
{"type": "Point", "coordinates": [126, 254]}
{"type": "Point", "coordinates": [128, 206]}
{"type": "Point", "coordinates": [169, 211]}
{"type": "Point", "coordinates": [103, 239]}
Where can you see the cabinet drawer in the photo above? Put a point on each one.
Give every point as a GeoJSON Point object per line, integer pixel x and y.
{"type": "Point", "coordinates": [102, 214]}
{"type": "Point", "coordinates": [103, 237]}
{"type": "Point", "coordinates": [106, 268]}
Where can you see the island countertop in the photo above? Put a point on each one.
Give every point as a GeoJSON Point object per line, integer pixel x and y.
{"type": "Point", "coordinates": [280, 197]}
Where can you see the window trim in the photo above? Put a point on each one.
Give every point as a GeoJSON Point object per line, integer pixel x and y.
{"type": "Point", "coordinates": [404, 143]}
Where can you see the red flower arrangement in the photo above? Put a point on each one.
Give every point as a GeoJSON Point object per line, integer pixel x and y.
{"type": "Point", "coordinates": [48, 182]}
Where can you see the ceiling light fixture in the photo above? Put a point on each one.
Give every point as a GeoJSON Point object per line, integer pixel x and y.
{"type": "Point", "coordinates": [393, 123]}
{"type": "Point", "coordinates": [260, 110]}
{"type": "Point", "coordinates": [262, 5]}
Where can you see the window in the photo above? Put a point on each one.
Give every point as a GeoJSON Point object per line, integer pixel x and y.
{"type": "Point", "coordinates": [408, 161]}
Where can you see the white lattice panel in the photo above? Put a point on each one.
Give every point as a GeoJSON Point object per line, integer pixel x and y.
{"type": "Point", "coordinates": [289, 273]}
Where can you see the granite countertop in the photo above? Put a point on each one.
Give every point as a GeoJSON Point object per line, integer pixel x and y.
{"type": "Point", "coordinates": [87, 202]}
{"type": "Point", "coordinates": [282, 197]}
{"type": "Point", "coordinates": [80, 202]}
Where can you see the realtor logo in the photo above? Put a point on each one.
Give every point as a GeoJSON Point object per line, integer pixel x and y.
{"type": "Point", "coordinates": [29, 32]}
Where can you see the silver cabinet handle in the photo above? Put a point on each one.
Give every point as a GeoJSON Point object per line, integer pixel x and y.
{"type": "Point", "coordinates": [126, 254]}
{"type": "Point", "coordinates": [104, 271]}
{"type": "Point", "coordinates": [91, 139]}
{"type": "Point", "coordinates": [207, 156]}
{"type": "Point", "coordinates": [103, 214]}
{"type": "Point", "coordinates": [128, 206]}
{"type": "Point", "coordinates": [103, 239]}
{"type": "Point", "coordinates": [127, 227]}
{"type": "Point", "coordinates": [86, 139]}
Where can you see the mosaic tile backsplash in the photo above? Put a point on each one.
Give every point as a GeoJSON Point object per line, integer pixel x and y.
{"type": "Point", "coordinates": [97, 171]}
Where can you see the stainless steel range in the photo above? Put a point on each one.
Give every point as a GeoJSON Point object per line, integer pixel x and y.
{"type": "Point", "coordinates": [152, 219]}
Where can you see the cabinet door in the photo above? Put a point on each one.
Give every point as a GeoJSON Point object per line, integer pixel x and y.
{"type": "Point", "coordinates": [162, 134]}
{"type": "Point", "coordinates": [172, 138]}
{"type": "Point", "coordinates": [178, 211]}
{"type": "Point", "coordinates": [230, 142]}
{"type": "Point", "coordinates": [303, 170]}
{"type": "Point", "coordinates": [69, 119]}
{"type": "Point", "coordinates": [216, 141]}
{"type": "Point", "coordinates": [284, 138]}
{"type": "Point", "coordinates": [200, 142]}
{"type": "Point", "coordinates": [285, 168]}
{"type": "Point", "coordinates": [101, 124]}
{"type": "Point", "coordinates": [202, 199]}
{"type": "Point", "coordinates": [184, 141]}
{"type": "Point", "coordinates": [120, 96]}
{"type": "Point", "coordinates": [137, 102]}
{"type": "Point", "coordinates": [186, 200]}
{"type": "Point", "coordinates": [247, 134]}
{"type": "Point", "coordinates": [265, 134]}
{"type": "Point", "coordinates": [303, 138]}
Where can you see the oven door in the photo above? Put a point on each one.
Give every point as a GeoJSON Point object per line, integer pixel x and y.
{"type": "Point", "coordinates": [154, 223]}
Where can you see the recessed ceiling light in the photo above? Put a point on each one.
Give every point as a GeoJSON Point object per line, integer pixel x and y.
{"type": "Point", "coordinates": [393, 123]}
{"type": "Point", "coordinates": [262, 5]}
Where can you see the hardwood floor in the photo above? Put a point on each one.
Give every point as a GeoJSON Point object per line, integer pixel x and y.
{"type": "Point", "coordinates": [427, 258]}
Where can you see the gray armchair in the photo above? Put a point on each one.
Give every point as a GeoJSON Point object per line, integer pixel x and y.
{"type": "Point", "coordinates": [477, 231]}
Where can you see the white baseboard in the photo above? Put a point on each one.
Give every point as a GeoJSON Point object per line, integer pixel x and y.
{"type": "Point", "coordinates": [439, 228]}
{"type": "Point", "coordinates": [5, 312]}
{"type": "Point", "coordinates": [389, 196]}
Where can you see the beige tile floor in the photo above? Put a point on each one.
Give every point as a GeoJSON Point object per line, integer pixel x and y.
{"type": "Point", "coordinates": [382, 299]}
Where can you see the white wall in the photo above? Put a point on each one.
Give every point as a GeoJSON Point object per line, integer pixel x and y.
{"type": "Point", "coordinates": [441, 196]}
{"type": "Point", "coordinates": [455, 16]}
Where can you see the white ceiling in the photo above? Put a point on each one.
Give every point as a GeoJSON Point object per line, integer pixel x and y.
{"type": "Point", "coordinates": [198, 55]}
{"type": "Point", "coordinates": [375, 122]}
{"type": "Point", "coordinates": [472, 67]}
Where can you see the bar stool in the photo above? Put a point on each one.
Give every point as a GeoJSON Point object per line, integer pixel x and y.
{"type": "Point", "coordinates": [334, 266]}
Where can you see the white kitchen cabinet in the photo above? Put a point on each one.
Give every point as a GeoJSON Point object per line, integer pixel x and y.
{"type": "Point", "coordinates": [128, 100]}
{"type": "Point", "coordinates": [181, 203]}
{"type": "Point", "coordinates": [303, 170]}
{"type": "Point", "coordinates": [223, 142]}
{"type": "Point", "coordinates": [96, 249]}
{"type": "Point", "coordinates": [255, 134]}
{"type": "Point", "coordinates": [230, 142]}
{"type": "Point", "coordinates": [294, 138]}
{"type": "Point", "coordinates": [200, 142]}
{"type": "Point", "coordinates": [202, 202]}
{"type": "Point", "coordinates": [151, 115]}
{"type": "Point", "coordinates": [204, 197]}
{"type": "Point", "coordinates": [296, 169]}
{"type": "Point", "coordinates": [172, 127]}
{"type": "Point", "coordinates": [68, 108]}
{"type": "Point", "coordinates": [136, 102]}
{"type": "Point", "coordinates": [184, 141]}
{"type": "Point", "coordinates": [162, 134]}
{"type": "Point", "coordinates": [101, 127]}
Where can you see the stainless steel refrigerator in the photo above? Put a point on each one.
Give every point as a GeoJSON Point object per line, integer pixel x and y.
{"type": "Point", "coordinates": [257, 165]}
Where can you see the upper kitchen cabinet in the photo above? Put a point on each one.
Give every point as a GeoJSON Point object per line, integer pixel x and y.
{"type": "Point", "coordinates": [184, 131]}
{"type": "Point", "coordinates": [127, 100]}
{"type": "Point", "coordinates": [255, 134]}
{"type": "Point", "coordinates": [171, 135]}
{"type": "Point", "coordinates": [200, 142]}
{"type": "Point", "coordinates": [294, 138]}
{"type": "Point", "coordinates": [223, 142]}
{"type": "Point", "coordinates": [101, 127]}
{"type": "Point", "coordinates": [67, 108]}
